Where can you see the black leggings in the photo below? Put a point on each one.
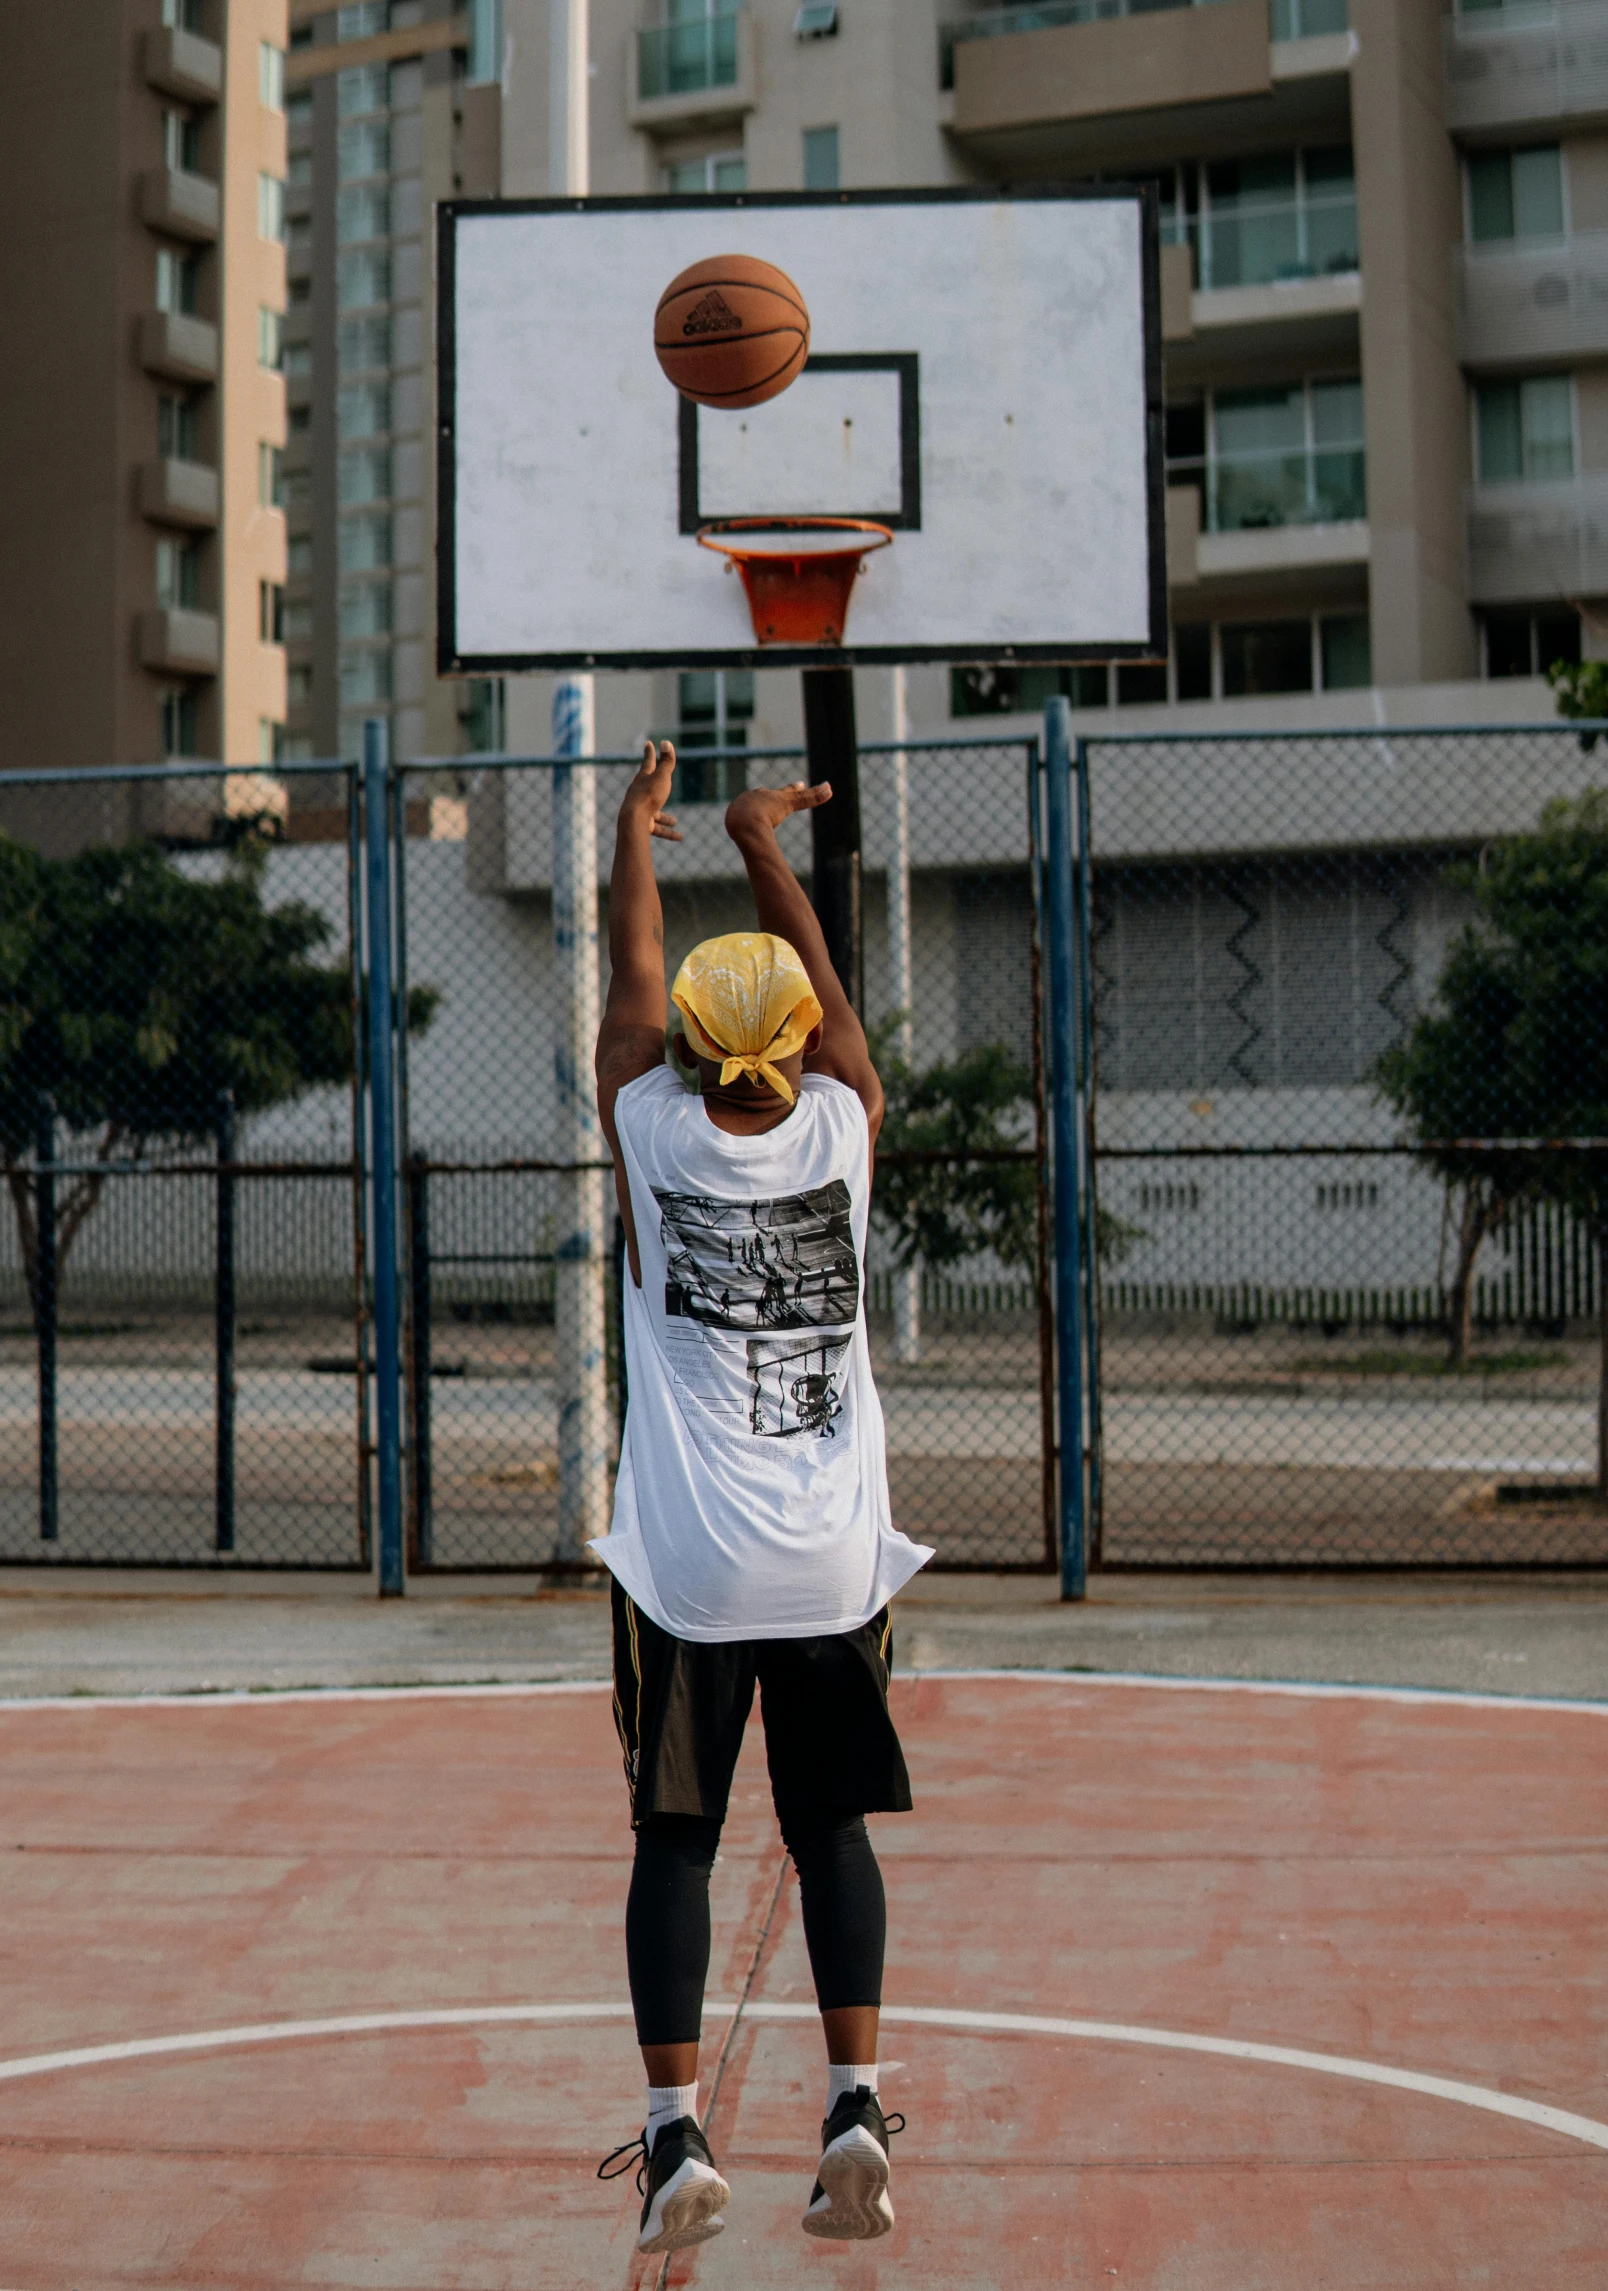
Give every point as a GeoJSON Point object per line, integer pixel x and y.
{"type": "Point", "coordinates": [667, 1918]}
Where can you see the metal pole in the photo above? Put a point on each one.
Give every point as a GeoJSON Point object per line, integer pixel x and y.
{"type": "Point", "coordinates": [1060, 1043]}
{"type": "Point", "coordinates": [579, 1336]}
{"type": "Point", "coordinates": [1091, 1205]}
{"type": "Point", "coordinates": [223, 1316]}
{"type": "Point", "coordinates": [829, 736]}
{"type": "Point", "coordinates": [901, 985]}
{"type": "Point", "coordinates": [382, 1155]}
{"type": "Point", "coordinates": [45, 1311]}
{"type": "Point", "coordinates": [419, 1332]}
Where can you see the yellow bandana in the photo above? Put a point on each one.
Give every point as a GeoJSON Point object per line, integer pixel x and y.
{"type": "Point", "coordinates": [747, 1001]}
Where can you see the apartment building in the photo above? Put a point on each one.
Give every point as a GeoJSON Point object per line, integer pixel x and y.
{"type": "Point", "coordinates": [142, 173]}
{"type": "Point", "coordinates": [391, 106]}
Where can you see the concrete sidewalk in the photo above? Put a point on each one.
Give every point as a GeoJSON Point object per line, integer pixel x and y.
{"type": "Point", "coordinates": [107, 1632]}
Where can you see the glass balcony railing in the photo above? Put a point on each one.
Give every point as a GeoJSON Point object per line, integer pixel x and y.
{"type": "Point", "coordinates": [1252, 222]}
{"type": "Point", "coordinates": [1291, 456]}
{"type": "Point", "coordinates": [687, 56]}
{"type": "Point", "coordinates": [1291, 20]}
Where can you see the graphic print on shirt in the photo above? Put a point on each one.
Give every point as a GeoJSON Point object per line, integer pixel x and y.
{"type": "Point", "coordinates": [793, 1386]}
{"type": "Point", "coordinates": [785, 1263]}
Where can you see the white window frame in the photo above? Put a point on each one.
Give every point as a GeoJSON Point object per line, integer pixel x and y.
{"type": "Point", "coordinates": [270, 76]}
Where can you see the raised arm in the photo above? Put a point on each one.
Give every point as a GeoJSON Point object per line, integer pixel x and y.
{"type": "Point", "coordinates": [630, 1041]}
{"type": "Point", "coordinates": [751, 821]}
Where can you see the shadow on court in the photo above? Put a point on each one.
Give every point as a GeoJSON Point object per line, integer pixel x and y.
{"type": "Point", "coordinates": [1117, 1911]}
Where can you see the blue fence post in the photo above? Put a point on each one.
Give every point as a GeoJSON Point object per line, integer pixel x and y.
{"type": "Point", "coordinates": [1061, 1028]}
{"type": "Point", "coordinates": [382, 1155]}
{"type": "Point", "coordinates": [45, 1311]}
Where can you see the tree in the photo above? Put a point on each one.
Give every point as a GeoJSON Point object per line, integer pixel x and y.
{"type": "Point", "coordinates": [943, 1210]}
{"type": "Point", "coordinates": [1516, 1046]}
{"type": "Point", "coordinates": [134, 993]}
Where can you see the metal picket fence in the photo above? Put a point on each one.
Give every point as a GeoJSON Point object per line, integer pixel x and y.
{"type": "Point", "coordinates": [1348, 1147]}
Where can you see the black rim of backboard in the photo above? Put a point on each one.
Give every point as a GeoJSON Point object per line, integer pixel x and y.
{"type": "Point", "coordinates": [450, 661]}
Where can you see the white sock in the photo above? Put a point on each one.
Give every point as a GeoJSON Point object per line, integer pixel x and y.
{"type": "Point", "coordinates": [846, 2076]}
{"type": "Point", "coordinates": [666, 2104]}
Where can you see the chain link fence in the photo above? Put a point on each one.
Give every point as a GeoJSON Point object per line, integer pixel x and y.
{"type": "Point", "coordinates": [513, 1248]}
{"type": "Point", "coordinates": [181, 1294]}
{"type": "Point", "coordinates": [1349, 1001]}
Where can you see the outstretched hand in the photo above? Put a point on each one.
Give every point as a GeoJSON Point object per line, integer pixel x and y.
{"type": "Point", "coordinates": [760, 808]}
{"type": "Point", "coordinates": [649, 791]}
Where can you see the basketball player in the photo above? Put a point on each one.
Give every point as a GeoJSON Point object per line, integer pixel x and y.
{"type": "Point", "coordinates": [751, 1541]}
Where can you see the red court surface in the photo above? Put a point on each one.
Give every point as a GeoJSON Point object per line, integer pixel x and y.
{"type": "Point", "coordinates": [1407, 1894]}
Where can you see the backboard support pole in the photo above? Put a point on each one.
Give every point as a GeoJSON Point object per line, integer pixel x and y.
{"type": "Point", "coordinates": [834, 754]}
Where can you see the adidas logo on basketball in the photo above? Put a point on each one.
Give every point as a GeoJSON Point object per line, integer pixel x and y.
{"type": "Point", "coordinates": [714, 315]}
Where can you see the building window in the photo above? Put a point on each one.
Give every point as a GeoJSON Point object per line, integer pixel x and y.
{"type": "Point", "coordinates": [364, 149]}
{"type": "Point", "coordinates": [1345, 649]}
{"type": "Point", "coordinates": [365, 676]}
{"type": "Point", "coordinates": [364, 21]}
{"type": "Point", "coordinates": [185, 16]}
{"type": "Point", "coordinates": [714, 708]}
{"type": "Point", "coordinates": [362, 278]}
{"type": "Point", "coordinates": [1287, 455]}
{"type": "Point", "coordinates": [363, 211]}
{"type": "Point", "coordinates": [178, 281]}
{"type": "Point", "coordinates": [178, 574]}
{"type": "Point", "coordinates": [179, 721]}
{"type": "Point", "coordinates": [365, 88]}
{"type": "Point", "coordinates": [363, 411]}
{"type": "Point", "coordinates": [298, 620]}
{"type": "Point", "coordinates": [271, 339]}
{"type": "Point", "coordinates": [299, 171]}
{"type": "Point", "coordinates": [1515, 194]}
{"type": "Point", "coordinates": [365, 544]}
{"type": "Point", "coordinates": [178, 428]}
{"type": "Point", "coordinates": [300, 420]}
{"type": "Point", "coordinates": [270, 741]}
{"type": "Point", "coordinates": [1525, 429]}
{"type": "Point", "coordinates": [271, 208]}
{"type": "Point", "coordinates": [298, 361]}
{"type": "Point", "coordinates": [1192, 660]}
{"type": "Point", "coordinates": [270, 612]}
{"type": "Point", "coordinates": [1308, 19]}
{"type": "Point", "coordinates": [1265, 656]}
{"type": "Point", "coordinates": [480, 715]}
{"type": "Point", "coordinates": [1249, 222]}
{"type": "Point", "coordinates": [181, 142]}
{"type": "Point", "coordinates": [270, 75]}
{"type": "Point", "coordinates": [999, 689]}
{"type": "Point", "coordinates": [301, 36]}
{"type": "Point", "coordinates": [717, 171]}
{"type": "Point", "coordinates": [362, 343]}
{"type": "Point", "coordinates": [365, 608]}
{"type": "Point", "coordinates": [365, 475]}
{"type": "Point", "coordinates": [1525, 643]}
{"type": "Point", "coordinates": [693, 47]}
{"type": "Point", "coordinates": [299, 291]}
{"type": "Point", "coordinates": [821, 159]}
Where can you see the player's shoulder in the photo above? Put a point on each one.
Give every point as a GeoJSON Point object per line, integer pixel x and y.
{"type": "Point", "coordinates": [648, 1094]}
{"type": "Point", "coordinates": [835, 1104]}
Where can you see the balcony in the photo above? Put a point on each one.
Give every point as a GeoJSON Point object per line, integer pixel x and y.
{"type": "Point", "coordinates": [179, 641]}
{"type": "Point", "coordinates": [1533, 303]}
{"type": "Point", "coordinates": [697, 70]}
{"type": "Point", "coordinates": [1540, 65]}
{"type": "Point", "coordinates": [1537, 541]}
{"type": "Point", "coordinates": [1256, 552]}
{"type": "Point", "coordinates": [181, 64]}
{"type": "Point", "coordinates": [1072, 60]}
{"type": "Point", "coordinates": [175, 492]}
{"type": "Point", "coordinates": [172, 343]}
{"type": "Point", "coordinates": [182, 205]}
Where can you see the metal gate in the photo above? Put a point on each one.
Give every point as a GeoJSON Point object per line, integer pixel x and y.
{"type": "Point", "coordinates": [512, 1251]}
{"type": "Point", "coordinates": [1348, 1303]}
{"type": "Point", "coordinates": [182, 1302]}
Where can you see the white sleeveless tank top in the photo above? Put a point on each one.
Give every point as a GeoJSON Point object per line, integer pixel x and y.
{"type": "Point", "coordinates": [752, 1497]}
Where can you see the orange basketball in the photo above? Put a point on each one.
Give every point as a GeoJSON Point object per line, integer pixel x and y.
{"type": "Point", "coordinates": [731, 331]}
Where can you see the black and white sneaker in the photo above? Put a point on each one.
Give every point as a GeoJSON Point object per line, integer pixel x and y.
{"type": "Point", "coordinates": [849, 2201]}
{"type": "Point", "coordinates": [682, 2194]}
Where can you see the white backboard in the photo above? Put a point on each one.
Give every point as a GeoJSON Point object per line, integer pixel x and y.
{"type": "Point", "coordinates": [984, 377]}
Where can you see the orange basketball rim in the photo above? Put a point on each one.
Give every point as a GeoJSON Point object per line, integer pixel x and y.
{"type": "Point", "coordinates": [797, 595]}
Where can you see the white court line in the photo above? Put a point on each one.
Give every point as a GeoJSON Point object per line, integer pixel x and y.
{"type": "Point", "coordinates": [1560, 2120]}
{"type": "Point", "coordinates": [269, 1698]}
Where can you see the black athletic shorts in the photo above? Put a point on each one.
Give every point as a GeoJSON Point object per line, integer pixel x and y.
{"type": "Point", "coordinates": [681, 1707]}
